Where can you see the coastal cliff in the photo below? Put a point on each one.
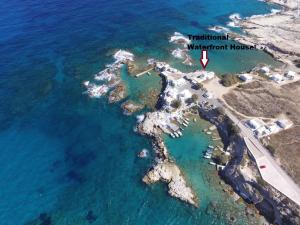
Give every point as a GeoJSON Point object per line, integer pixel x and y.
{"type": "Point", "coordinates": [276, 33]}
{"type": "Point", "coordinates": [242, 175]}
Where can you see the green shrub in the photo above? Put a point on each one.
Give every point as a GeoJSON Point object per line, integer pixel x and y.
{"type": "Point", "coordinates": [271, 149]}
{"type": "Point", "coordinates": [229, 79]}
{"type": "Point", "coordinates": [176, 104]}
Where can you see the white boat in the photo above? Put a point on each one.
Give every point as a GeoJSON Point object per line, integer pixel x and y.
{"type": "Point", "coordinates": [179, 132]}
{"type": "Point", "coordinates": [207, 156]}
{"type": "Point", "coordinates": [210, 146]}
{"type": "Point", "coordinates": [176, 135]}
{"type": "Point", "coordinates": [184, 124]}
{"type": "Point", "coordinates": [208, 152]}
{"type": "Point", "coordinates": [172, 135]}
{"type": "Point", "coordinates": [212, 163]}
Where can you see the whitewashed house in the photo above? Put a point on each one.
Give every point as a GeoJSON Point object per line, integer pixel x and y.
{"type": "Point", "coordinates": [290, 75]}
{"type": "Point", "coordinates": [246, 77]}
{"type": "Point", "coordinates": [265, 70]}
{"type": "Point", "coordinates": [284, 124]}
{"type": "Point", "coordinates": [277, 78]}
{"type": "Point", "coordinates": [254, 124]}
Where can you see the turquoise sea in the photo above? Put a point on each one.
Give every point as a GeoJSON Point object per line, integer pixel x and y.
{"type": "Point", "coordinates": [66, 159]}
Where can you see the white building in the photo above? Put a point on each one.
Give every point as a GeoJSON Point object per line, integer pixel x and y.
{"type": "Point", "coordinates": [245, 77]}
{"type": "Point", "coordinates": [254, 124]}
{"type": "Point", "coordinates": [284, 124]}
{"type": "Point", "coordinates": [185, 94]}
{"type": "Point", "coordinates": [290, 75]}
{"type": "Point", "coordinates": [261, 131]}
{"type": "Point", "coordinates": [277, 78]}
{"type": "Point", "coordinates": [200, 76]}
{"type": "Point", "coordinates": [273, 128]}
{"type": "Point", "coordinates": [265, 70]}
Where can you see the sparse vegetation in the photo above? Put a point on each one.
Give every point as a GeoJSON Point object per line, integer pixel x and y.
{"type": "Point", "coordinates": [233, 129]}
{"type": "Point", "coordinates": [229, 79]}
{"type": "Point", "coordinates": [260, 181]}
{"type": "Point", "coordinates": [220, 158]}
{"type": "Point", "coordinates": [176, 104]}
{"type": "Point", "coordinates": [221, 110]}
{"type": "Point", "coordinates": [271, 149]}
{"type": "Point", "coordinates": [244, 160]}
{"type": "Point", "coordinates": [195, 98]}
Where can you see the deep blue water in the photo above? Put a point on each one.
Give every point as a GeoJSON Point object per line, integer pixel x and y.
{"type": "Point", "coordinates": [64, 154]}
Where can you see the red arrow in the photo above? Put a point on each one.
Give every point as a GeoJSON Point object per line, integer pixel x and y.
{"type": "Point", "coordinates": [204, 59]}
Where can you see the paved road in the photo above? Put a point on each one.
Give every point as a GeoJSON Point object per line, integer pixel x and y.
{"type": "Point", "coordinates": [273, 173]}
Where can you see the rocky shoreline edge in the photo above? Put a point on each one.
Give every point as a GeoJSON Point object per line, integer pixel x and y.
{"type": "Point", "coordinates": [275, 33]}
{"type": "Point", "coordinates": [258, 30]}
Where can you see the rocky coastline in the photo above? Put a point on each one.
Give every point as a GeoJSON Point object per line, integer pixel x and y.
{"type": "Point", "coordinates": [167, 171]}
{"type": "Point", "coordinates": [176, 100]}
{"type": "Point", "coordinates": [244, 178]}
{"type": "Point", "coordinates": [275, 33]}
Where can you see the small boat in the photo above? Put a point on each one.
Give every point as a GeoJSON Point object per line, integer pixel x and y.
{"type": "Point", "coordinates": [207, 156]}
{"type": "Point", "coordinates": [184, 124]}
{"type": "Point", "coordinates": [179, 132]}
{"type": "Point", "coordinates": [172, 135]}
{"type": "Point", "coordinates": [148, 73]}
{"type": "Point", "coordinates": [212, 163]}
{"type": "Point", "coordinates": [187, 119]}
{"type": "Point", "coordinates": [181, 128]}
{"type": "Point", "coordinates": [210, 146]}
{"type": "Point", "coordinates": [209, 152]}
{"type": "Point", "coordinates": [176, 135]}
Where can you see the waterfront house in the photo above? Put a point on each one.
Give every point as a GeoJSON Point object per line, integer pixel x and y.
{"type": "Point", "coordinates": [290, 75]}
{"type": "Point", "coordinates": [265, 70]}
{"type": "Point", "coordinates": [277, 78]}
{"type": "Point", "coordinates": [284, 123]}
{"type": "Point", "coordinates": [245, 77]}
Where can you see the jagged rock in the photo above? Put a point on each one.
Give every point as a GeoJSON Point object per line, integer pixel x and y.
{"type": "Point", "coordinates": [117, 94]}
{"type": "Point", "coordinates": [170, 173]}
{"type": "Point", "coordinates": [129, 107]}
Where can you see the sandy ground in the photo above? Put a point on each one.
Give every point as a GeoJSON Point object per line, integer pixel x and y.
{"type": "Point", "coordinates": [214, 86]}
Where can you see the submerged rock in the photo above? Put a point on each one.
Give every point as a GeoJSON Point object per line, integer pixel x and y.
{"type": "Point", "coordinates": [90, 217]}
{"type": "Point", "coordinates": [143, 154]}
{"type": "Point", "coordinates": [129, 107]}
{"type": "Point", "coordinates": [45, 219]}
{"type": "Point", "coordinates": [117, 94]}
{"type": "Point", "coordinates": [169, 172]}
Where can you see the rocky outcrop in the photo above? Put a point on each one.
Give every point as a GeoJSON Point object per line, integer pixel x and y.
{"type": "Point", "coordinates": [275, 33]}
{"type": "Point", "coordinates": [129, 107]}
{"type": "Point", "coordinates": [117, 94]}
{"type": "Point", "coordinates": [169, 173]}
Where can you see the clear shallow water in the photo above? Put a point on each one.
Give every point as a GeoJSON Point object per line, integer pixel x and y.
{"type": "Point", "coordinates": [64, 154]}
